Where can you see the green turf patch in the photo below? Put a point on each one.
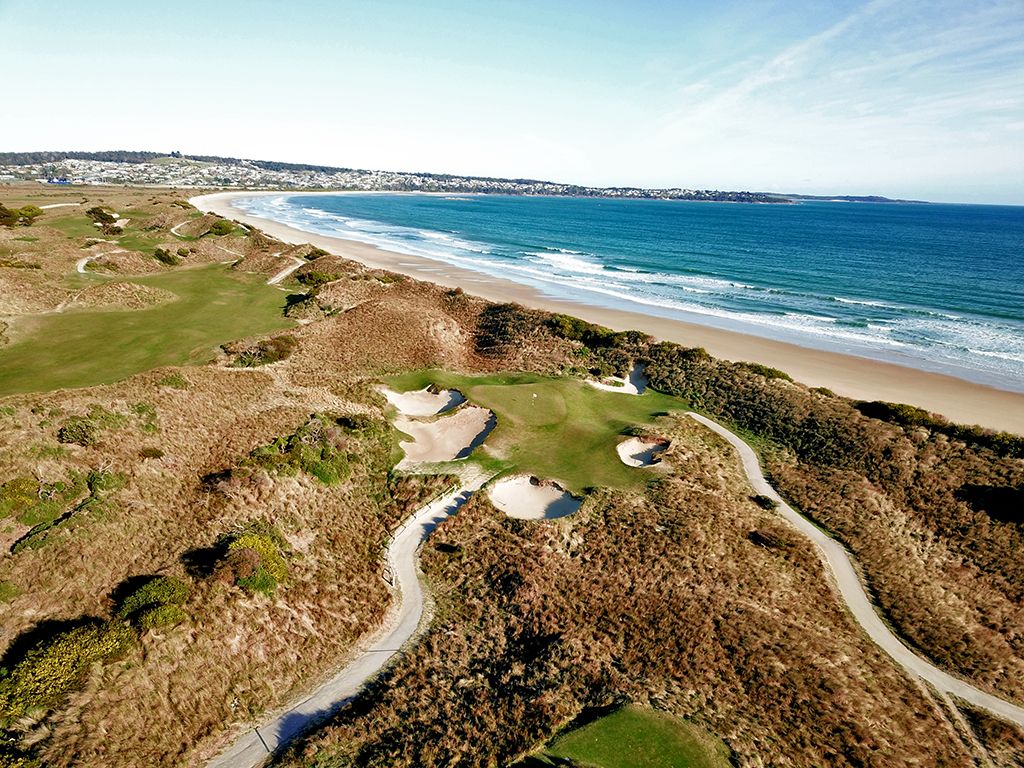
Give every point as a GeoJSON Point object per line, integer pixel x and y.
{"type": "Point", "coordinates": [75, 227]}
{"type": "Point", "coordinates": [143, 242]}
{"type": "Point", "coordinates": [557, 428]}
{"type": "Point", "coordinates": [85, 347]}
{"type": "Point", "coordinates": [635, 736]}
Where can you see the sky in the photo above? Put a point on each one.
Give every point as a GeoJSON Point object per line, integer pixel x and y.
{"type": "Point", "coordinates": [905, 98]}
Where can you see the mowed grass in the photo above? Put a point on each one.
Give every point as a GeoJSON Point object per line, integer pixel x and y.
{"type": "Point", "coordinates": [81, 348]}
{"type": "Point", "coordinates": [633, 736]}
{"type": "Point", "coordinates": [77, 227]}
{"type": "Point", "coordinates": [556, 428]}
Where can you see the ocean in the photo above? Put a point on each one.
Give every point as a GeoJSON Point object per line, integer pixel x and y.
{"type": "Point", "coordinates": [937, 287]}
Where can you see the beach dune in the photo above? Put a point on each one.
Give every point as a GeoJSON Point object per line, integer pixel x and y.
{"type": "Point", "coordinates": [956, 399]}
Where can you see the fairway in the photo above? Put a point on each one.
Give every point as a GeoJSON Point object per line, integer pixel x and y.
{"type": "Point", "coordinates": [80, 348]}
{"type": "Point", "coordinates": [560, 429]}
{"type": "Point", "coordinates": [635, 736]}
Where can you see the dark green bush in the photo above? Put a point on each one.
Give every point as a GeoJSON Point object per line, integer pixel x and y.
{"type": "Point", "coordinates": [151, 452]}
{"type": "Point", "coordinates": [764, 502]}
{"type": "Point", "coordinates": [159, 591]}
{"type": "Point", "coordinates": [315, 278]}
{"type": "Point", "coordinates": [592, 336]}
{"type": "Point", "coordinates": [222, 227]}
{"type": "Point", "coordinates": [24, 216]}
{"type": "Point", "coordinates": [160, 617]}
{"type": "Point", "coordinates": [165, 257]}
{"type": "Point", "coordinates": [316, 448]}
{"type": "Point", "coordinates": [101, 215]}
{"type": "Point", "coordinates": [767, 371]}
{"type": "Point", "coordinates": [78, 431]}
{"type": "Point", "coordinates": [901, 414]}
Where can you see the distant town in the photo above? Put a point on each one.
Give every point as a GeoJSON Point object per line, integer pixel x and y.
{"type": "Point", "coordinates": [176, 170]}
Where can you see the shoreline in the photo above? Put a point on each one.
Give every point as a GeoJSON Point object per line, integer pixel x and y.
{"type": "Point", "coordinates": [860, 378]}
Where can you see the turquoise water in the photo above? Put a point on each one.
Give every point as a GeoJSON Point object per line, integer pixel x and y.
{"type": "Point", "coordinates": [938, 287]}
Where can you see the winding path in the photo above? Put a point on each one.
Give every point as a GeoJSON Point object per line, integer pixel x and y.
{"type": "Point", "coordinates": [852, 591]}
{"type": "Point", "coordinates": [296, 263]}
{"type": "Point", "coordinates": [254, 747]}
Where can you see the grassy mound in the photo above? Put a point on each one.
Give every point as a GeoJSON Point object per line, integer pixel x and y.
{"type": "Point", "coordinates": [634, 736]}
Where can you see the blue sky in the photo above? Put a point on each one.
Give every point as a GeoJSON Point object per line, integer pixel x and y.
{"type": "Point", "coordinates": [897, 97]}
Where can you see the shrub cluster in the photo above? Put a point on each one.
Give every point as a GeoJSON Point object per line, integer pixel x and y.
{"type": "Point", "coordinates": [266, 351]}
{"type": "Point", "coordinates": [165, 257]}
{"type": "Point", "coordinates": [33, 502]}
{"type": "Point", "coordinates": [221, 228]}
{"type": "Point", "coordinates": [502, 327]}
{"type": "Point", "coordinates": [767, 371]}
{"type": "Point", "coordinates": [254, 559]}
{"type": "Point", "coordinates": [52, 513]}
{"type": "Point", "coordinates": [315, 278]}
{"type": "Point", "coordinates": [316, 448]}
{"type": "Point", "coordinates": [155, 604]}
{"type": "Point", "coordinates": [24, 216]}
{"type": "Point", "coordinates": [589, 334]}
{"type": "Point", "coordinates": [78, 431]}
{"type": "Point", "coordinates": [56, 666]}
{"type": "Point", "coordinates": [901, 414]}
{"type": "Point", "coordinates": [104, 218]}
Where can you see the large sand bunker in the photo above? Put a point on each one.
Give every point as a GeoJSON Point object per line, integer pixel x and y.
{"type": "Point", "coordinates": [527, 498]}
{"type": "Point", "coordinates": [445, 439]}
{"type": "Point", "coordinates": [635, 384]}
{"type": "Point", "coordinates": [424, 402]}
{"type": "Point", "coordinates": [642, 451]}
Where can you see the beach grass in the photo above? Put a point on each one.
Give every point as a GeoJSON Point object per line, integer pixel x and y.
{"type": "Point", "coordinates": [554, 428]}
{"type": "Point", "coordinates": [81, 348]}
{"type": "Point", "coordinates": [634, 736]}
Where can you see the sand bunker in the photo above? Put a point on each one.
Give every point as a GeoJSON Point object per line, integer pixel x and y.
{"type": "Point", "coordinates": [642, 451]}
{"type": "Point", "coordinates": [634, 385]}
{"type": "Point", "coordinates": [444, 439]}
{"type": "Point", "coordinates": [424, 402]}
{"type": "Point", "coordinates": [527, 498]}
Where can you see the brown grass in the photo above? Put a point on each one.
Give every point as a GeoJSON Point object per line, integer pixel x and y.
{"type": "Point", "coordinates": [658, 597]}
{"type": "Point", "coordinates": [685, 595]}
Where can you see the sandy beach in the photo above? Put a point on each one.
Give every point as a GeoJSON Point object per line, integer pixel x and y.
{"type": "Point", "coordinates": [855, 377]}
